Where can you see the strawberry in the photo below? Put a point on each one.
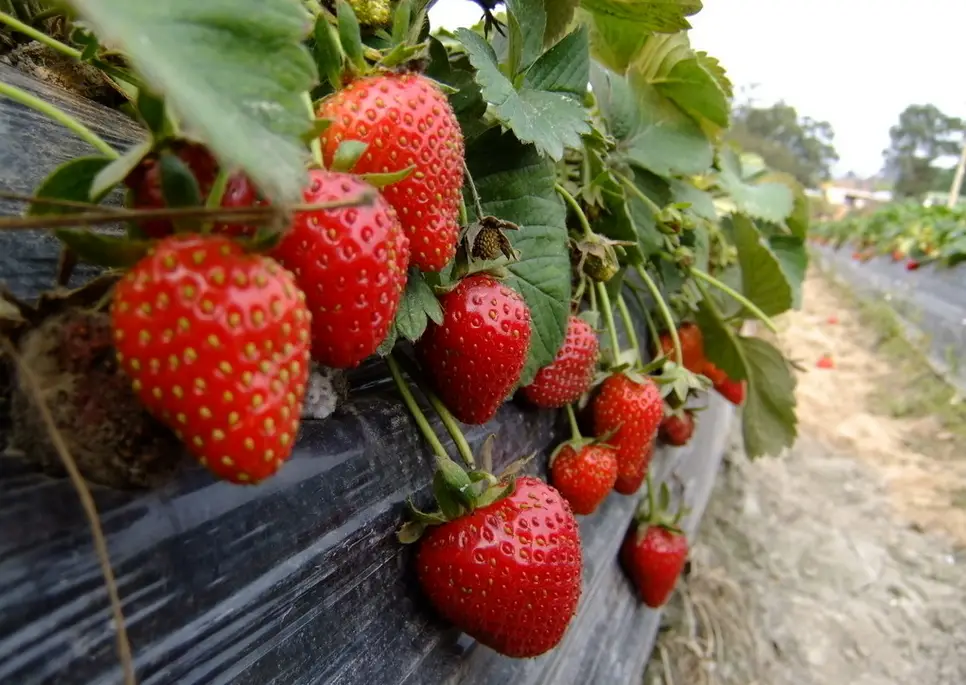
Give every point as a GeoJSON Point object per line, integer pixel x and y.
{"type": "Point", "coordinates": [476, 356]}
{"type": "Point", "coordinates": [216, 343]}
{"type": "Point", "coordinates": [912, 265]}
{"type": "Point", "coordinates": [406, 121]}
{"type": "Point", "coordinates": [630, 413]}
{"type": "Point", "coordinates": [654, 557]}
{"type": "Point", "coordinates": [677, 429]}
{"type": "Point", "coordinates": [508, 574]}
{"type": "Point", "coordinates": [832, 320]}
{"type": "Point", "coordinates": [692, 346]}
{"type": "Point", "coordinates": [714, 374]}
{"type": "Point", "coordinates": [144, 182]}
{"type": "Point", "coordinates": [584, 474]}
{"type": "Point", "coordinates": [825, 362]}
{"type": "Point", "coordinates": [732, 390]}
{"type": "Point", "coordinates": [570, 374]}
{"type": "Point", "coordinates": [351, 263]}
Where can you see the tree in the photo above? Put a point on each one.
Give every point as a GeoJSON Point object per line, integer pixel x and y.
{"type": "Point", "coordinates": [923, 137]}
{"type": "Point", "coordinates": [800, 146]}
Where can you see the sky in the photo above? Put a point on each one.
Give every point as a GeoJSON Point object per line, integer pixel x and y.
{"type": "Point", "coordinates": [854, 63]}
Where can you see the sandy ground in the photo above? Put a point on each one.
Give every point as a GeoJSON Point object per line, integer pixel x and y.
{"type": "Point", "coordinates": [841, 563]}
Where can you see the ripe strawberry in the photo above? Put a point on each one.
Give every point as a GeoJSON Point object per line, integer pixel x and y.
{"type": "Point", "coordinates": [825, 362]}
{"type": "Point", "coordinates": [351, 263]}
{"type": "Point", "coordinates": [692, 346]}
{"type": "Point", "coordinates": [732, 390]}
{"type": "Point", "coordinates": [569, 375]}
{"type": "Point", "coordinates": [216, 343]}
{"type": "Point", "coordinates": [584, 475]}
{"type": "Point", "coordinates": [654, 556]}
{"type": "Point", "coordinates": [912, 265]}
{"type": "Point", "coordinates": [714, 374]}
{"type": "Point", "coordinates": [476, 356]}
{"type": "Point", "coordinates": [631, 412]}
{"type": "Point", "coordinates": [406, 121]}
{"type": "Point", "coordinates": [832, 320]}
{"type": "Point", "coordinates": [144, 183]}
{"type": "Point", "coordinates": [677, 429]}
{"type": "Point", "coordinates": [508, 574]}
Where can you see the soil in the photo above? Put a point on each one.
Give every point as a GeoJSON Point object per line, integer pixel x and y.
{"type": "Point", "coordinates": [844, 561]}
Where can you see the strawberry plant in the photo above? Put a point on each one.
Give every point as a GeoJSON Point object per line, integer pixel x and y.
{"type": "Point", "coordinates": [348, 180]}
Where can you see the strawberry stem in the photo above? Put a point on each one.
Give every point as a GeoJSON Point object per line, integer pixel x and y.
{"type": "Point", "coordinates": [58, 115]}
{"type": "Point", "coordinates": [651, 503]}
{"type": "Point", "coordinates": [449, 421]}
{"type": "Point", "coordinates": [316, 144]}
{"type": "Point", "coordinates": [734, 294]}
{"type": "Point", "coordinates": [639, 194]}
{"type": "Point", "coordinates": [477, 205]}
{"type": "Point", "coordinates": [607, 312]}
{"type": "Point", "coordinates": [414, 409]}
{"type": "Point", "coordinates": [574, 205]}
{"type": "Point", "coordinates": [651, 327]}
{"type": "Point", "coordinates": [665, 313]}
{"type": "Point", "coordinates": [572, 420]}
{"type": "Point", "coordinates": [628, 325]}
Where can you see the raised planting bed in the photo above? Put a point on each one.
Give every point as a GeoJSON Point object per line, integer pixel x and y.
{"type": "Point", "coordinates": [930, 303]}
{"type": "Point", "coordinates": [300, 580]}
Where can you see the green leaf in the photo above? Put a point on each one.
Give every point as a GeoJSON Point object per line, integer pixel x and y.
{"type": "Point", "coordinates": [769, 424]}
{"type": "Point", "coordinates": [667, 63]}
{"type": "Point", "coordinates": [560, 15]}
{"type": "Point", "coordinates": [347, 154]}
{"type": "Point", "coordinates": [613, 42]}
{"type": "Point", "coordinates": [713, 67]}
{"type": "Point", "coordinates": [103, 250]}
{"type": "Point", "coordinates": [328, 52]}
{"type": "Point", "coordinates": [616, 222]}
{"type": "Point", "coordinates": [721, 343]}
{"type": "Point", "coordinates": [762, 279]}
{"type": "Point", "coordinates": [118, 169]}
{"type": "Point", "coordinates": [151, 110]}
{"type": "Point", "coordinates": [517, 184]}
{"type": "Point", "coordinates": [417, 307]}
{"type": "Point", "coordinates": [549, 120]}
{"type": "Point", "coordinates": [179, 187]}
{"type": "Point", "coordinates": [527, 21]}
{"type": "Point", "coordinates": [467, 102]}
{"type": "Point", "coordinates": [564, 67]}
{"type": "Point", "coordinates": [381, 180]}
{"type": "Point", "coordinates": [232, 70]}
{"type": "Point", "coordinates": [662, 16]}
{"type": "Point", "coordinates": [652, 132]}
{"type": "Point", "coordinates": [798, 221]}
{"type": "Point", "coordinates": [702, 204]}
{"type": "Point", "coordinates": [793, 260]}
{"type": "Point", "coordinates": [350, 35]}
{"type": "Point", "coordinates": [401, 20]}
{"type": "Point", "coordinates": [771, 201]}
{"type": "Point", "coordinates": [70, 181]}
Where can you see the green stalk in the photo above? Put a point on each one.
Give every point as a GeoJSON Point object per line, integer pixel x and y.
{"type": "Point", "coordinates": [608, 314]}
{"type": "Point", "coordinates": [638, 193]}
{"type": "Point", "coordinates": [414, 409]}
{"type": "Point", "coordinates": [449, 421]}
{"type": "Point", "coordinates": [316, 144]}
{"type": "Point", "coordinates": [651, 327]}
{"type": "Point", "coordinates": [572, 420]}
{"type": "Point", "coordinates": [665, 313]}
{"type": "Point", "coordinates": [61, 117]}
{"type": "Point", "coordinates": [464, 219]}
{"type": "Point", "coordinates": [628, 325]}
{"type": "Point", "coordinates": [574, 205]}
{"type": "Point", "coordinates": [741, 299]}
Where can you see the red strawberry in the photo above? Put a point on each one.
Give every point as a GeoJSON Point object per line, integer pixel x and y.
{"type": "Point", "coordinates": [351, 263]}
{"type": "Point", "coordinates": [714, 374]}
{"type": "Point", "coordinates": [144, 183]}
{"type": "Point", "coordinates": [912, 265]}
{"type": "Point", "coordinates": [825, 362]}
{"type": "Point", "coordinates": [216, 343]}
{"type": "Point", "coordinates": [406, 121]}
{"type": "Point", "coordinates": [692, 346]}
{"type": "Point", "coordinates": [732, 390]}
{"type": "Point", "coordinates": [630, 412]}
{"type": "Point", "coordinates": [569, 375]}
{"type": "Point", "coordinates": [508, 574]}
{"type": "Point", "coordinates": [677, 429]}
{"type": "Point", "coordinates": [654, 556]}
{"type": "Point", "coordinates": [584, 475]}
{"type": "Point", "coordinates": [476, 355]}
{"type": "Point", "coordinates": [833, 320]}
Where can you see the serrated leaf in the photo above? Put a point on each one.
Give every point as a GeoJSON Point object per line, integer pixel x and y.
{"type": "Point", "coordinates": [768, 200]}
{"type": "Point", "coordinates": [560, 15]}
{"type": "Point", "coordinates": [467, 102]}
{"type": "Point", "coordinates": [103, 250]}
{"type": "Point", "coordinates": [417, 307]}
{"type": "Point", "coordinates": [613, 42]}
{"type": "Point", "coordinates": [793, 260]}
{"type": "Point", "coordinates": [718, 73]}
{"type": "Point", "coordinates": [769, 424]}
{"type": "Point", "coordinates": [527, 21]}
{"type": "Point", "coordinates": [71, 181]}
{"type": "Point", "coordinates": [564, 67]}
{"type": "Point", "coordinates": [702, 204]}
{"type": "Point", "coordinates": [212, 63]}
{"type": "Point", "coordinates": [762, 279]}
{"type": "Point", "coordinates": [662, 16]}
{"type": "Point", "coordinates": [549, 120]}
{"type": "Point", "coordinates": [667, 63]}
{"type": "Point", "coordinates": [652, 132]}
{"type": "Point", "coordinates": [517, 184]}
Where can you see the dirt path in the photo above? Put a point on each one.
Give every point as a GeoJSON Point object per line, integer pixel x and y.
{"type": "Point", "coordinates": [844, 562]}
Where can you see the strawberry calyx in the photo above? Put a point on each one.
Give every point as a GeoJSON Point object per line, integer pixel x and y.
{"type": "Point", "coordinates": [654, 510]}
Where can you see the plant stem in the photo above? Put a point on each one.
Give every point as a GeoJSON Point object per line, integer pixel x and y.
{"type": "Point", "coordinates": [464, 219]}
{"type": "Point", "coordinates": [61, 117]}
{"type": "Point", "coordinates": [592, 291]}
{"type": "Point", "coordinates": [734, 294]}
{"type": "Point", "coordinates": [477, 205]}
{"type": "Point", "coordinates": [629, 325]}
{"type": "Point", "coordinates": [651, 327]}
{"type": "Point", "coordinates": [574, 205]}
{"type": "Point", "coordinates": [665, 313]}
{"type": "Point", "coordinates": [414, 409]}
{"type": "Point", "coordinates": [572, 420]}
{"type": "Point", "coordinates": [39, 36]}
{"type": "Point", "coordinates": [316, 144]}
{"type": "Point", "coordinates": [449, 421]}
{"type": "Point", "coordinates": [608, 314]}
{"type": "Point", "coordinates": [651, 502]}
{"type": "Point", "coordinates": [638, 193]}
